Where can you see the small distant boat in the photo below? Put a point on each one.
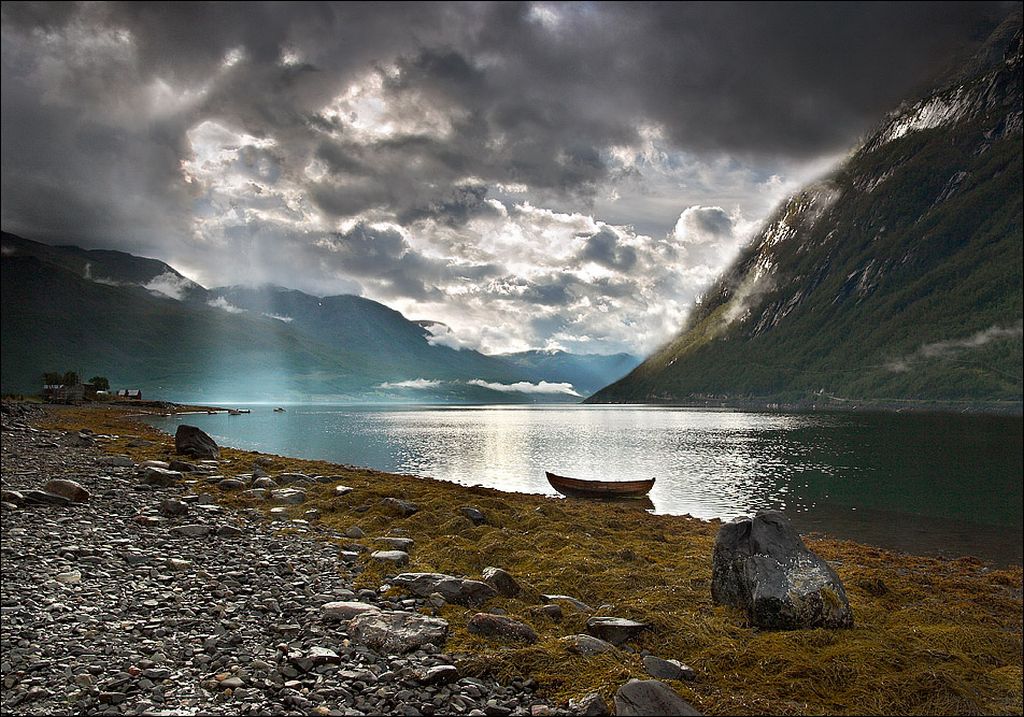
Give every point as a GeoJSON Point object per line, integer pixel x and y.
{"type": "Point", "coordinates": [576, 488]}
{"type": "Point", "coordinates": [278, 410]}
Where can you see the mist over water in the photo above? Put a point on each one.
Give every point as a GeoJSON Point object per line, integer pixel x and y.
{"type": "Point", "coordinates": [947, 485]}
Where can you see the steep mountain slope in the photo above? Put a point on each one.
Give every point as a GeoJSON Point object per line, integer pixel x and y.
{"type": "Point", "coordinates": [115, 268]}
{"type": "Point", "coordinates": [898, 278]}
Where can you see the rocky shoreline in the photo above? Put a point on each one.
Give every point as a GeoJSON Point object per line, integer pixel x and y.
{"type": "Point", "coordinates": [156, 600]}
{"type": "Point", "coordinates": [148, 575]}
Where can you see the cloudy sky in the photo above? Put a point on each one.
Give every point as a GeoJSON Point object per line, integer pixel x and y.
{"type": "Point", "coordinates": [534, 175]}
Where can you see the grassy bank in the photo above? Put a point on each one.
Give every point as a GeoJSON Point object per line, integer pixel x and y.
{"type": "Point", "coordinates": [931, 637]}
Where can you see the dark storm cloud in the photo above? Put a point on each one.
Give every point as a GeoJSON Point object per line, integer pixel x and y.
{"type": "Point", "coordinates": [606, 249]}
{"type": "Point", "coordinates": [761, 77]}
{"type": "Point", "coordinates": [81, 158]}
{"type": "Point", "coordinates": [699, 225]}
{"type": "Point", "coordinates": [98, 100]}
{"type": "Point", "coordinates": [462, 204]}
{"type": "Point", "coordinates": [791, 77]}
{"type": "Point", "coordinates": [384, 256]}
{"type": "Point", "coordinates": [559, 289]}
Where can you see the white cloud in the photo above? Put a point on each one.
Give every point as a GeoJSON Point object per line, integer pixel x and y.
{"type": "Point", "coordinates": [285, 319]}
{"type": "Point", "coordinates": [703, 225]}
{"type": "Point", "coordinates": [709, 238]}
{"type": "Point", "coordinates": [520, 278]}
{"type": "Point", "coordinates": [544, 387]}
{"type": "Point", "coordinates": [419, 384]}
{"type": "Point", "coordinates": [977, 340]}
{"type": "Point", "coordinates": [442, 335]}
{"type": "Point", "coordinates": [569, 279]}
{"type": "Point", "coordinates": [516, 269]}
{"type": "Point", "coordinates": [171, 285]}
{"type": "Point", "coordinates": [546, 14]}
{"type": "Point", "coordinates": [953, 347]}
{"type": "Point", "coordinates": [221, 303]}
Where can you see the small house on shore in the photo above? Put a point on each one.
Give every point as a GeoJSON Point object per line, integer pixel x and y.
{"type": "Point", "coordinates": [59, 393]}
{"type": "Point", "coordinates": [132, 394]}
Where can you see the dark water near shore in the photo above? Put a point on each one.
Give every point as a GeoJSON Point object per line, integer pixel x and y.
{"type": "Point", "coordinates": [938, 485]}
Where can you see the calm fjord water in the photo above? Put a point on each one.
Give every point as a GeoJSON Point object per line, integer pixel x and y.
{"type": "Point", "coordinates": [948, 485]}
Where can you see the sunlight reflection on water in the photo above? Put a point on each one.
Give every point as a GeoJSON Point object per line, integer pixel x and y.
{"type": "Point", "coordinates": [880, 474]}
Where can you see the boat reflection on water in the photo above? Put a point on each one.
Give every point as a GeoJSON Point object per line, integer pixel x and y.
{"type": "Point", "coordinates": [642, 502]}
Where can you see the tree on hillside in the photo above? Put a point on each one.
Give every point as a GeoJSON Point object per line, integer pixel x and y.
{"type": "Point", "coordinates": [100, 383]}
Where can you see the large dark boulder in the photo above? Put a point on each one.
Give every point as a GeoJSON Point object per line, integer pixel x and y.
{"type": "Point", "coordinates": [650, 698]}
{"type": "Point", "coordinates": [191, 441]}
{"type": "Point", "coordinates": [762, 566]}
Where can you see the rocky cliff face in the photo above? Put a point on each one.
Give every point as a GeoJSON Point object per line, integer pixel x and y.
{"type": "Point", "coordinates": [897, 277]}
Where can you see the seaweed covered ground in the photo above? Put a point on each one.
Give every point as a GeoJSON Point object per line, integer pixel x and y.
{"type": "Point", "coordinates": [932, 636]}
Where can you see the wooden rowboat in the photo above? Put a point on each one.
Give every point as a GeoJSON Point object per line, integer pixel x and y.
{"type": "Point", "coordinates": [575, 488]}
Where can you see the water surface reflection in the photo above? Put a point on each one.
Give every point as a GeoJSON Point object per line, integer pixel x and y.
{"type": "Point", "coordinates": [926, 483]}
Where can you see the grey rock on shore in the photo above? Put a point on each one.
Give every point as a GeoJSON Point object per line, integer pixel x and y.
{"type": "Point", "coordinates": [586, 644]}
{"type": "Point", "coordinates": [762, 566]}
{"type": "Point", "coordinates": [501, 627]}
{"type": "Point", "coordinates": [668, 669]}
{"type": "Point", "coordinates": [192, 441]}
{"type": "Point", "coordinates": [398, 631]}
{"type": "Point", "coordinates": [454, 589]}
{"type": "Point", "coordinates": [616, 630]}
{"type": "Point", "coordinates": [650, 698]}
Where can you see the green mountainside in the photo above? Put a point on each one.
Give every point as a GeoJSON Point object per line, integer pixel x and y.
{"type": "Point", "coordinates": [896, 279]}
{"type": "Point", "coordinates": [400, 347]}
{"type": "Point", "coordinates": [114, 268]}
{"type": "Point", "coordinates": [144, 325]}
{"type": "Point", "coordinates": [54, 319]}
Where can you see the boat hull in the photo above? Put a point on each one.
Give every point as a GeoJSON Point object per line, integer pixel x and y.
{"type": "Point", "coordinates": [609, 490]}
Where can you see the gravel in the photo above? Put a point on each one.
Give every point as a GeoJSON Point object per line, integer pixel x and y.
{"type": "Point", "coordinates": [159, 601]}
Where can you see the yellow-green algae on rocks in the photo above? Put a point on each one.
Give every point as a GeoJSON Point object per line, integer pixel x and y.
{"type": "Point", "coordinates": [932, 636]}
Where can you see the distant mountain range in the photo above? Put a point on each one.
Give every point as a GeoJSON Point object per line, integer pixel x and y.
{"type": "Point", "coordinates": [144, 325]}
{"type": "Point", "coordinates": [896, 279]}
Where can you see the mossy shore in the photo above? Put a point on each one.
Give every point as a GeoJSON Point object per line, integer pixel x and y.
{"type": "Point", "coordinates": [931, 637]}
